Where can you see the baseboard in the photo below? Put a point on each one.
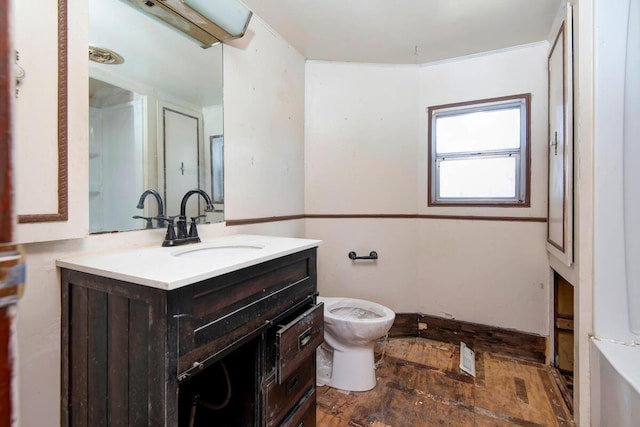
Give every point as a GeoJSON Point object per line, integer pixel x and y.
{"type": "Point", "coordinates": [404, 325]}
{"type": "Point", "coordinates": [477, 336]}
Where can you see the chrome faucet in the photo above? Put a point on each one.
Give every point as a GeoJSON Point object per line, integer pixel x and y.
{"type": "Point", "coordinates": [160, 216]}
{"type": "Point", "coordinates": [181, 236]}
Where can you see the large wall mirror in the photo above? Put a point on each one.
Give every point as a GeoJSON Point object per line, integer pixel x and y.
{"type": "Point", "coordinates": [155, 121]}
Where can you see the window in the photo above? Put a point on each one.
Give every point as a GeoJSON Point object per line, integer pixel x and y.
{"type": "Point", "coordinates": [479, 153]}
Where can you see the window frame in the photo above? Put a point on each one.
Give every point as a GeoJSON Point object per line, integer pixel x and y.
{"type": "Point", "coordinates": [523, 167]}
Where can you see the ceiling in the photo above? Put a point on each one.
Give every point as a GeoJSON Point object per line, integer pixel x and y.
{"type": "Point", "coordinates": [405, 31]}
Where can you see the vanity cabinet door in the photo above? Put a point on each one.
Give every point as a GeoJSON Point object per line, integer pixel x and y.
{"type": "Point", "coordinates": [114, 354]}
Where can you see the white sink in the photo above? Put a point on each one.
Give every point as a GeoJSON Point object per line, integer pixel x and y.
{"type": "Point", "coordinates": [209, 250]}
{"type": "Point", "coordinates": [171, 268]}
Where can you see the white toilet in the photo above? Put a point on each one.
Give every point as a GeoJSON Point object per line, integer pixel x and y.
{"type": "Point", "coordinates": [351, 326]}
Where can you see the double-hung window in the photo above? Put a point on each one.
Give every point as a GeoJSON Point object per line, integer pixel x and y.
{"type": "Point", "coordinates": [479, 153]}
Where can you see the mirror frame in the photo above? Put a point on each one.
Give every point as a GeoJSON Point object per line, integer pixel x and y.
{"type": "Point", "coordinates": [63, 173]}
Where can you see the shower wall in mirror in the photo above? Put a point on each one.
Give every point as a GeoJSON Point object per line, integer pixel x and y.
{"type": "Point", "coordinates": [153, 121]}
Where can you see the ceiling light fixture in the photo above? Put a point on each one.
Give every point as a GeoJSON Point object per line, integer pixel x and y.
{"type": "Point", "coordinates": [207, 21]}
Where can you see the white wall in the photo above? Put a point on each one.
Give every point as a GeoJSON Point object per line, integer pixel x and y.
{"type": "Point", "coordinates": [494, 273]}
{"type": "Point", "coordinates": [365, 153]}
{"type": "Point", "coordinates": [264, 63]}
{"type": "Point", "coordinates": [361, 138]}
{"type": "Point", "coordinates": [263, 125]}
{"type": "Point", "coordinates": [361, 144]}
{"type": "Point", "coordinates": [391, 280]}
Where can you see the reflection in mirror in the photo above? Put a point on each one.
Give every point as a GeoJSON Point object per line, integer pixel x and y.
{"type": "Point", "coordinates": [115, 156]}
{"type": "Point", "coordinates": [217, 168]}
{"type": "Point", "coordinates": [155, 122]}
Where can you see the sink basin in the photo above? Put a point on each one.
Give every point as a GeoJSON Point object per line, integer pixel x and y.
{"type": "Point", "coordinates": [203, 251]}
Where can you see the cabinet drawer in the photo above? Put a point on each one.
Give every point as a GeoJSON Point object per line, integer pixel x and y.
{"type": "Point", "coordinates": [213, 316]}
{"type": "Point", "coordinates": [281, 398]}
{"type": "Point", "coordinates": [305, 414]}
{"type": "Point", "coordinates": [297, 341]}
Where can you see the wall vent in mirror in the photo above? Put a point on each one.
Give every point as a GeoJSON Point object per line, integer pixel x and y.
{"type": "Point", "coordinates": [102, 55]}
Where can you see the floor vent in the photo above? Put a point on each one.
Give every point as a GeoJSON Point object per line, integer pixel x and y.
{"type": "Point", "coordinates": [467, 359]}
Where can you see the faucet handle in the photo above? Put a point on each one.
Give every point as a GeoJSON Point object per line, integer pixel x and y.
{"type": "Point", "coordinates": [193, 230]}
{"type": "Point", "coordinates": [196, 218]}
{"type": "Point", "coordinates": [168, 219]}
{"type": "Point", "coordinates": [162, 219]}
{"type": "Point", "coordinates": [170, 237]}
{"type": "Point", "coordinates": [148, 223]}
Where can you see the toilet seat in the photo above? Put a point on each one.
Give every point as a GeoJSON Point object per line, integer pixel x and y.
{"type": "Point", "coordinates": [349, 308]}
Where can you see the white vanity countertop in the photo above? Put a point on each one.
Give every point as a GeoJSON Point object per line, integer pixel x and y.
{"type": "Point", "coordinates": [174, 267]}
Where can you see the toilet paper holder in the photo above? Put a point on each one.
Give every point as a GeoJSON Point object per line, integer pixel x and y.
{"type": "Point", "coordinates": [372, 255]}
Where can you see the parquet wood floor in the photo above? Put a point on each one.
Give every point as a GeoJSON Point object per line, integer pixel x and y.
{"type": "Point", "coordinates": [420, 384]}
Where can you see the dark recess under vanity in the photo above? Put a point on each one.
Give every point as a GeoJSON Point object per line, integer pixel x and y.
{"type": "Point", "coordinates": [134, 355]}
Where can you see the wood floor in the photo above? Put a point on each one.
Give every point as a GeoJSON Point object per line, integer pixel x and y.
{"type": "Point", "coordinates": [420, 384]}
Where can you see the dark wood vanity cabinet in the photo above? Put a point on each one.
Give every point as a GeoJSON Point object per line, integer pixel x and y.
{"type": "Point", "coordinates": [234, 350]}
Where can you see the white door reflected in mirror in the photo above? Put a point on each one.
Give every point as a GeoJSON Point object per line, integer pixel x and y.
{"type": "Point", "coordinates": [181, 143]}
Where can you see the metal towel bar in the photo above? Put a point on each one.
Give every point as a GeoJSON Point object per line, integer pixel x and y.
{"type": "Point", "coordinates": [372, 255]}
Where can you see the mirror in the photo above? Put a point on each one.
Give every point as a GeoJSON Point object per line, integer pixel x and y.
{"type": "Point", "coordinates": [155, 121]}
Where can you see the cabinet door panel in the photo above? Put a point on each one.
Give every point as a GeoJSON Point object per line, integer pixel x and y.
{"type": "Point", "coordinates": [560, 146]}
{"type": "Point", "coordinates": [51, 121]}
{"type": "Point", "coordinates": [114, 369]}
